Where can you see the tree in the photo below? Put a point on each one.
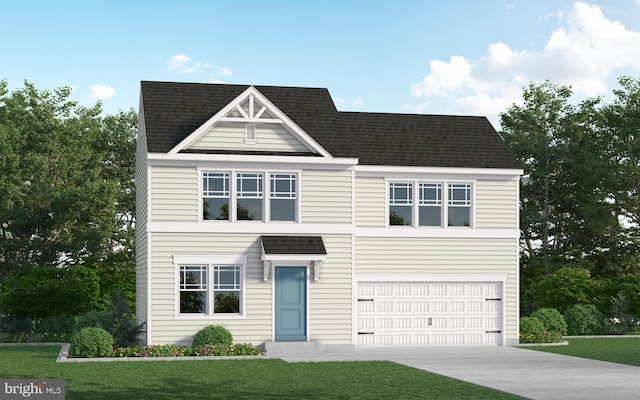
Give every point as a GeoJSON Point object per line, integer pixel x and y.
{"type": "Point", "coordinates": [57, 204]}
{"type": "Point", "coordinates": [67, 204]}
{"type": "Point", "coordinates": [621, 120]}
{"type": "Point", "coordinates": [536, 133]}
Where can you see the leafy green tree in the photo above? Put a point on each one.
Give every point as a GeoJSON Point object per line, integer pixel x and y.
{"type": "Point", "coordinates": [57, 206]}
{"type": "Point", "coordinates": [537, 134]}
{"type": "Point", "coordinates": [43, 292]}
{"type": "Point", "coordinates": [563, 288]}
{"type": "Point", "coordinates": [68, 198]}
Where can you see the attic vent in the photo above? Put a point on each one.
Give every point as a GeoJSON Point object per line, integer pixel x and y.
{"type": "Point", "coordinates": [249, 134]}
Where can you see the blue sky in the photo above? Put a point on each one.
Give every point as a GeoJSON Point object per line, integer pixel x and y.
{"type": "Point", "coordinates": [437, 57]}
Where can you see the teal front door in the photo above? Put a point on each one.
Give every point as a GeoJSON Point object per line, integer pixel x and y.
{"type": "Point", "coordinates": [291, 304]}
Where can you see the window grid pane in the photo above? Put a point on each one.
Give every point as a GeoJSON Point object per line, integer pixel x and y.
{"type": "Point", "coordinates": [430, 194]}
{"type": "Point", "coordinates": [193, 277]}
{"type": "Point", "coordinates": [401, 193]}
{"type": "Point", "coordinates": [459, 195]}
{"type": "Point", "coordinates": [215, 184]}
{"type": "Point", "coordinates": [283, 186]}
{"type": "Point", "coordinates": [226, 278]}
{"type": "Point", "coordinates": [249, 185]}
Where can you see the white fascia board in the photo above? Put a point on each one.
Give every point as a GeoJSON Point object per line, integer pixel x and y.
{"type": "Point", "coordinates": [403, 172]}
{"type": "Point", "coordinates": [295, 129]}
{"type": "Point", "coordinates": [202, 129]}
{"type": "Point", "coordinates": [431, 277]}
{"type": "Point", "coordinates": [307, 140]}
{"type": "Point", "coordinates": [230, 160]}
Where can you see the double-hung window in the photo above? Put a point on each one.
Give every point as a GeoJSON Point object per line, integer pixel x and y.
{"type": "Point", "coordinates": [400, 203]}
{"type": "Point", "coordinates": [430, 204]}
{"type": "Point", "coordinates": [215, 195]}
{"type": "Point", "coordinates": [250, 196]}
{"type": "Point", "coordinates": [459, 204]}
{"type": "Point", "coordinates": [425, 207]}
{"type": "Point", "coordinates": [210, 289]}
{"type": "Point", "coordinates": [283, 195]}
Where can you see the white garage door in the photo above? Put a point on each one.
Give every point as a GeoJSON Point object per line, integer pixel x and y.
{"type": "Point", "coordinates": [429, 313]}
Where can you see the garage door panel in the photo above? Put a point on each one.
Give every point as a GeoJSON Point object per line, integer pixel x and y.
{"type": "Point", "coordinates": [419, 313]}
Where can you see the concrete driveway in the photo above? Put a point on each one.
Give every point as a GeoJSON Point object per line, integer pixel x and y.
{"type": "Point", "coordinates": [527, 373]}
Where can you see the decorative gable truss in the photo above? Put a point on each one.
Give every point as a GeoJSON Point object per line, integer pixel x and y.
{"type": "Point", "coordinates": [251, 123]}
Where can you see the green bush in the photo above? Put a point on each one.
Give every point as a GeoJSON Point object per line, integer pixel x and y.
{"type": "Point", "coordinates": [562, 288]}
{"type": "Point", "coordinates": [530, 329]}
{"type": "Point", "coordinates": [55, 329]}
{"type": "Point", "coordinates": [551, 319]}
{"type": "Point", "coordinates": [213, 335]}
{"type": "Point", "coordinates": [584, 319]}
{"type": "Point", "coordinates": [91, 342]}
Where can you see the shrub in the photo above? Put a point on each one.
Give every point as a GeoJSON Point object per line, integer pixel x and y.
{"type": "Point", "coordinates": [91, 342]}
{"type": "Point", "coordinates": [119, 323]}
{"type": "Point", "coordinates": [621, 321]}
{"type": "Point", "coordinates": [55, 329]}
{"type": "Point", "coordinates": [584, 319]}
{"type": "Point", "coordinates": [551, 319]}
{"type": "Point", "coordinates": [530, 330]}
{"type": "Point", "coordinates": [563, 287]}
{"type": "Point", "coordinates": [213, 335]}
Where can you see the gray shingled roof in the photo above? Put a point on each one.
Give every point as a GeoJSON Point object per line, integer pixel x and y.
{"type": "Point", "coordinates": [173, 110]}
{"type": "Point", "coordinates": [293, 245]}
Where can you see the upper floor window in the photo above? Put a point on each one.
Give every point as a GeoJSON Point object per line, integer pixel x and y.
{"type": "Point", "coordinates": [424, 207]}
{"type": "Point", "coordinates": [245, 196]}
{"type": "Point", "coordinates": [400, 203]}
{"type": "Point", "coordinates": [459, 204]}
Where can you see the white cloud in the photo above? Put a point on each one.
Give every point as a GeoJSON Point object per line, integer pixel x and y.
{"type": "Point", "coordinates": [585, 52]}
{"type": "Point", "coordinates": [100, 92]}
{"type": "Point", "coordinates": [181, 63]}
{"type": "Point", "coordinates": [177, 61]}
{"type": "Point", "coordinates": [224, 71]}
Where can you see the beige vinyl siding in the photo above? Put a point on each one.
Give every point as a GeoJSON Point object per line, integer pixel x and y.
{"type": "Point", "coordinates": [141, 183]}
{"type": "Point", "coordinates": [230, 136]}
{"type": "Point", "coordinates": [371, 202]}
{"type": "Point", "coordinates": [406, 256]}
{"type": "Point", "coordinates": [330, 297]}
{"type": "Point", "coordinates": [497, 204]}
{"type": "Point", "coordinates": [256, 326]}
{"type": "Point", "coordinates": [326, 197]}
{"type": "Point", "coordinates": [174, 194]}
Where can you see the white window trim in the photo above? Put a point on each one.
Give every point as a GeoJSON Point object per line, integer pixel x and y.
{"type": "Point", "coordinates": [415, 204]}
{"type": "Point", "coordinates": [210, 261]}
{"type": "Point", "coordinates": [250, 132]}
{"type": "Point", "coordinates": [266, 195]}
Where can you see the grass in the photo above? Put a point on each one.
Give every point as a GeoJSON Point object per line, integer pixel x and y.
{"type": "Point", "coordinates": [618, 350]}
{"type": "Point", "coordinates": [235, 379]}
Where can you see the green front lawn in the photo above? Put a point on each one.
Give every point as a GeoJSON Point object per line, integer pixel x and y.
{"type": "Point", "coordinates": [618, 350]}
{"type": "Point", "coordinates": [235, 379]}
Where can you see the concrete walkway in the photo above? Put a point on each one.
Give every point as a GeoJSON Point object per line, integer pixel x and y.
{"type": "Point", "coordinates": [527, 373]}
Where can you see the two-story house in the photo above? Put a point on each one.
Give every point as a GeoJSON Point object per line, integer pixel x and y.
{"type": "Point", "coordinates": [268, 211]}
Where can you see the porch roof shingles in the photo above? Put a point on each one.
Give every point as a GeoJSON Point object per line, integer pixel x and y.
{"type": "Point", "coordinates": [293, 245]}
{"type": "Point", "coordinates": [173, 110]}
